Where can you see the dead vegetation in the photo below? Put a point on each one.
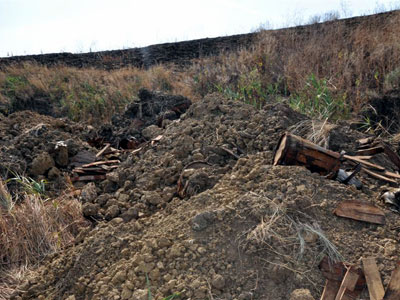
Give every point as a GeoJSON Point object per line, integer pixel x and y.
{"type": "Point", "coordinates": [32, 229]}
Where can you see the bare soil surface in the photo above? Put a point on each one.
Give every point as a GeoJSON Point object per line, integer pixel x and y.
{"type": "Point", "coordinates": [201, 211]}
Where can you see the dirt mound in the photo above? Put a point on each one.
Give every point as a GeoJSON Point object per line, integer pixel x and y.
{"type": "Point", "coordinates": [258, 234]}
{"type": "Point", "coordinates": [152, 108]}
{"type": "Point", "coordinates": [200, 211]}
{"type": "Point", "coordinates": [38, 146]}
{"type": "Point", "coordinates": [193, 153]}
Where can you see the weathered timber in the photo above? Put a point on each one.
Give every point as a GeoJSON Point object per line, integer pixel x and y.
{"type": "Point", "coordinates": [380, 176]}
{"type": "Point", "coordinates": [335, 271]}
{"type": "Point", "coordinates": [365, 141]}
{"type": "Point", "coordinates": [330, 290]}
{"type": "Point", "coordinates": [392, 155]}
{"type": "Point", "coordinates": [99, 163]}
{"type": "Point", "coordinates": [360, 211]}
{"type": "Point", "coordinates": [393, 289]}
{"type": "Point", "coordinates": [363, 162]}
{"type": "Point", "coordinates": [373, 278]}
{"type": "Point", "coordinates": [370, 151]}
{"type": "Point", "coordinates": [101, 152]}
{"type": "Point", "coordinates": [348, 284]}
{"type": "Point", "coordinates": [364, 157]}
{"type": "Point", "coordinates": [294, 150]}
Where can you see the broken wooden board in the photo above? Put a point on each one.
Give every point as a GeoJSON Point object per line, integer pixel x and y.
{"type": "Point", "coordinates": [101, 152]}
{"type": "Point", "coordinates": [365, 141]}
{"type": "Point", "coordinates": [360, 211]}
{"type": "Point", "coordinates": [363, 157]}
{"type": "Point", "coordinates": [391, 174]}
{"type": "Point", "coordinates": [392, 155]}
{"type": "Point", "coordinates": [393, 289]}
{"type": "Point", "coordinates": [373, 278]}
{"type": "Point", "coordinates": [330, 290]}
{"type": "Point", "coordinates": [348, 284]}
{"type": "Point", "coordinates": [363, 162]}
{"type": "Point", "coordinates": [379, 176]}
{"type": "Point", "coordinates": [294, 150]}
{"type": "Point", "coordinates": [335, 271]}
{"type": "Point", "coordinates": [370, 151]}
{"type": "Point", "coordinates": [99, 163]}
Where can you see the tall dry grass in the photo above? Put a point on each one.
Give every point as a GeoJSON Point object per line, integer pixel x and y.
{"type": "Point", "coordinates": [32, 229]}
{"type": "Point", "coordinates": [349, 61]}
{"type": "Point", "coordinates": [325, 70]}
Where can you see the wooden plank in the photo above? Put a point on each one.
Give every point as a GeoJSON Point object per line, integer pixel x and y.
{"type": "Point", "coordinates": [392, 155]}
{"type": "Point", "coordinates": [136, 150]}
{"type": "Point", "coordinates": [367, 140]}
{"type": "Point", "coordinates": [391, 174]}
{"type": "Point", "coordinates": [374, 282]}
{"type": "Point", "coordinates": [330, 290]}
{"type": "Point", "coordinates": [366, 163]}
{"type": "Point", "coordinates": [99, 163]}
{"type": "Point", "coordinates": [393, 289]}
{"type": "Point", "coordinates": [370, 151]}
{"type": "Point", "coordinates": [101, 152]}
{"type": "Point", "coordinates": [364, 157]}
{"type": "Point", "coordinates": [378, 176]}
{"type": "Point", "coordinates": [348, 283]}
{"type": "Point", "coordinates": [335, 271]}
{"type": "Point", "coordinates": [360, 211]}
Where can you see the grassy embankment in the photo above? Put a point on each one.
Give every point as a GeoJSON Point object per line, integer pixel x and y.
{"type": "Point", "coordinates": [329, 71]}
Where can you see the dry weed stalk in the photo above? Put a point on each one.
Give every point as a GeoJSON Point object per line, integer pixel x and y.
{"type": "Point", "coordinates": [285, 237]}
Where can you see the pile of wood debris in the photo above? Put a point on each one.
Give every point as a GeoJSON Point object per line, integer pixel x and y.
{"type": "Point", "coordinates": [346, 282]}
{"type": "Point", "coordinates": [105, 161]}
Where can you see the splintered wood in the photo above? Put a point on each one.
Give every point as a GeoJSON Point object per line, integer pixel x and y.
{"type": "Point", "coordinates": [342, 282]}
{"type": "Point", "coordinates": [370, 147]}
{"type": "Point", "coordinates": [348, 284]}
{"type": "Point", "coordinates": [373, 278]}
{"type": "Point", "coordinates": [97, 170]}
{"type": "Point", "coordinates": [393, 290]}
{"type": "Point", "coordinates": [293, 150]}
{"type": "Point", "coordinates": [361, 211]}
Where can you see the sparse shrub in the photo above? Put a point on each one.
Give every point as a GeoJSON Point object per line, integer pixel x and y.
{"type": "Point", "coordinates": [318, 101]}
{"type": "Point", "coordinates": [392, 80]}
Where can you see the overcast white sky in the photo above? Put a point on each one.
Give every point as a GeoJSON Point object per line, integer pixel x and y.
{"type": "Point", "coordinates": [45, 26]}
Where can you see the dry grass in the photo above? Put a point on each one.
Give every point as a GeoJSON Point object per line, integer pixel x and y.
{"type": "Point", "coordinates": [31, 230]}
{"type": "Point", "coordinates": [325, 70]}
{"type": "Point", "coordinates": [91, 95]}
{"type": "Point", "coordinates": [344, 62]}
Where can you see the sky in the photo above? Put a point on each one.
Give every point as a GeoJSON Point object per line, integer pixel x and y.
{"type": "Point", "coordinates": [49, 26]}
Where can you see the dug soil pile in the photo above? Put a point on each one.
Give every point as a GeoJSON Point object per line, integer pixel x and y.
{"type": "Point", "coordinates": [197, 209]}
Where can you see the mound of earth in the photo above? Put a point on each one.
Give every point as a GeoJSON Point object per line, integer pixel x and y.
{"type": "Point", "coordinates": [200, 211]}
{"type": "Point", "coordinates": [193, 153]}
{"type": "Point", "coordinates": [259, 233]}
{"type": "Point", "coordinates": [38, 146]}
